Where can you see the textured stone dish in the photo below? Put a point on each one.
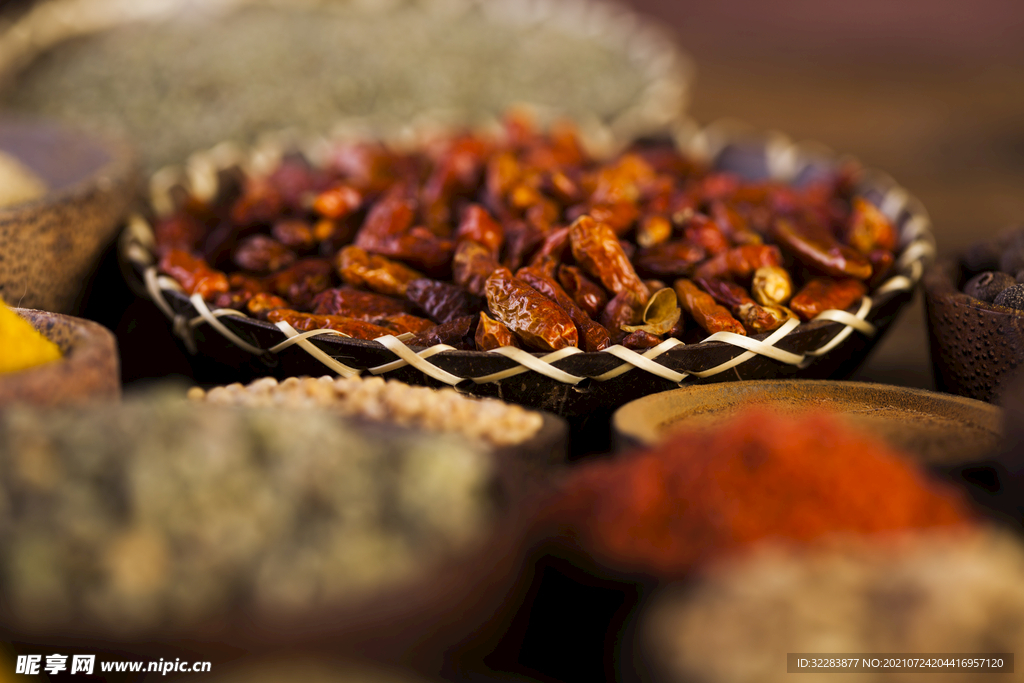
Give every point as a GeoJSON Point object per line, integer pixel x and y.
{"type": "Point", "coordinates": [52, 244]}
{"type": "Point", "coordinates": [89, 370]}
{"type": "Point", "coordinates": [941, 430]}
{"type": "Point", "coordinates": [976, 346]}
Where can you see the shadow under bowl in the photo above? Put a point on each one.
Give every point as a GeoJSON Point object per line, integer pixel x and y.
{"type": "Point", "coordinates": [52, 244]}
{"type": "Point", "coordinates": [89, 369]}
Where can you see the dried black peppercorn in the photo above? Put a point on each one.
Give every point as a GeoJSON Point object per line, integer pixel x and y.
{"type": "Point", "coordinates": [987, 286]}
{"type": "Point", "coordinates": [1011, 297]}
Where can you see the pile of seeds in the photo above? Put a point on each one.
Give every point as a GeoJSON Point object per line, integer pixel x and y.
{"type": "Point", "coordinates": [163, 512]}
{"type": "Point", "coordinates": [492, 421]}
{"type": "Point", "coordinates": [997, 268]}
{"type": "Point", "coordinates": [182, 85]}
{"type": "Point", "coordinates": [935, 592]}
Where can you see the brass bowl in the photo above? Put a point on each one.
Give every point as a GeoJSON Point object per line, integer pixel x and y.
{"type": "Point", "coordinates": [52, 244]}
{"type": "Point", "coordinates": [89, 370]}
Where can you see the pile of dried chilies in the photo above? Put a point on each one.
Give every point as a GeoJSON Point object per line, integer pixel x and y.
{"type": "Point", "coordinates": [523, 239]}
{"type": "Point", "coordinates": [700, 495]}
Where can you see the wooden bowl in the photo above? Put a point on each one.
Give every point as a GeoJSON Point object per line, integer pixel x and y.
{"type": "Point", "coordinates": [975, 346]}
{"type": "Point", "coordinates": [937, 428]}
{"type": "Point", "coordinates": [52, 244]}
{"type": "Point", "coordinates": [89, 370]}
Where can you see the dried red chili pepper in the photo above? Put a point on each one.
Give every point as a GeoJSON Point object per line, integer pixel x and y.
{"type": "Point", "coordinates": [536, 320]}
{"type": "Point", "coordinates": [739, 263]}
{"type": "Point", "coordinates": [554, 246]}
{"type": "Point", "coordinates": [302, 281]}
{"type": "Point", "coordinates": [733, 225]}
{"type": "Point", "coordinates": [700, 230]}
{"type": "Point", "coordinates": [304, 322]}
{"type": "Point", "coordinates": [262, 254]}
{"type": "Point", "coordinates": [882, 261]}
{"type": "Point", "coordinates": [824, 293]}
{"type": "Point", "coordinates": [540, 277]}
{"type": "Point", "coordinates": [587, 294]}
{"type": "Point", "coordinates": [472, 264]}
{"type": "Point", "coordinates": [295, 233]}
{"type": "Point", "coordinates": [354, 303]}
{"type": "Point", "coordinates": [193, 274]}
{"type": "Point", "coordinates": [597, 251]}
{"type": "Point", "coordinates": [457, 333]}
{"type": "Point", "coordinates": [360, 269]}
{"type": "Point", "coordinates": [669, 260]}
{"type": "Point", "coordinates": [522, 239]}
{"type": "Point", "coordinates": [478, 225]}
{"type": "Point", "coordinates": [337, 202]}
{"type": "Point", "coordinates": [491, 334]}
{"type": "Point", "coordinates": [819, 251]}
{"type": "Point", "coordinates": [296, 181]}
{"type": "Point", "coordinates": [623, 309]}
{"type": "Point", "coordinates": [261, 202]}
{"type": "Point", "coordinates": [418, 247]}
{"type": "Point", "coordinates": [392, 215]}
{"type": "Point", "coordinates": [179, 231]}
{"type": "Point", "coordinates": [868, 229]}
{"type": "Point", "coordinates": [262, 303]}
{"type": "Point", "coordinates": [640, 340]}
{"type": "Point", "coordinates": [653, 229]}
{"type": "Point", "coordinates": [755, 318]}
{"type": "Point", "coordinates": [703, 309]}
{"type": "Point", "coordinates": [442, 301]}
{"type": "Point", "coordinates": [404, 323]}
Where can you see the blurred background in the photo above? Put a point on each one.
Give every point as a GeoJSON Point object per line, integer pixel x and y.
{"type": "Point", "coordinates": [931, 92]}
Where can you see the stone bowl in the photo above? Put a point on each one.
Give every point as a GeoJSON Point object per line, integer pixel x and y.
{"type": "Point", "coordinates": [52, 244]}
{"type": "Point", "coordinates": [976, 346]}
{"type": "Point", "coordinates": [90, 369]}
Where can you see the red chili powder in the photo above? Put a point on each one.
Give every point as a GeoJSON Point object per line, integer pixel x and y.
{"type": "Point", "coordinates": [701, 494]}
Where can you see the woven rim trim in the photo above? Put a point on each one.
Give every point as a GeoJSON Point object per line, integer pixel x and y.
{"type": "Point", "coordinates": [789, 160]}
{"type": "Point", "coordinates": [667, 71]}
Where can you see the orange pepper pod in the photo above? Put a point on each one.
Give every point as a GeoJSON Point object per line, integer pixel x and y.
{"type": "Point", "coordinates": [491, 334]}
{"type": "Point", "coordinates": [597, 251]}
{"type": "Point", "coordinates": [825, 293]}
{"type": "Point", "coordinates": [305, 322]}
{"type": "Point", "coordinates": [702, 308]}
{"type": "Point", "coordinates": [538, 322]}
{"type": "Point", "coordinates": [194, 274]}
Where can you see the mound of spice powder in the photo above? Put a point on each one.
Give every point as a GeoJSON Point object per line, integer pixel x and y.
{"type": "Point", "coordinates": [702, 494]}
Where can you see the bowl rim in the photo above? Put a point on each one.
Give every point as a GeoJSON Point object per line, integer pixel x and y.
{"type": "Point", "coordinates": [113, 173]}
{"type": "Point", "coordinates": [794, 344]}
{"type": "Point", "coordinates": [623, 425]}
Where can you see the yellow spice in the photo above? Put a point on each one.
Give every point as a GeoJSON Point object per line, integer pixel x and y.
{"type": "Point", "coordinates": [21, 347]}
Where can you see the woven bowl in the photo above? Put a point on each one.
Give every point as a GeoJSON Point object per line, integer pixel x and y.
{"type": "Point", "coordinates": [52, 244]}
{"type": "Point", "coordinates": [88, 371]}
{"type": "Point", "coordinates": [582, 387]}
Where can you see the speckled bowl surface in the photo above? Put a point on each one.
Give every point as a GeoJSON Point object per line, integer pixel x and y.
{"type": "Point", "coordinates": [976, 347]}
{"type": "Point", "coordinates": [89, 370]}
{"type": "Point", "coordinates": [52, 244]}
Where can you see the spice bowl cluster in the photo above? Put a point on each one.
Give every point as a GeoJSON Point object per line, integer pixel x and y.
{"type": "Point", "coordinates": [550, 392]}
